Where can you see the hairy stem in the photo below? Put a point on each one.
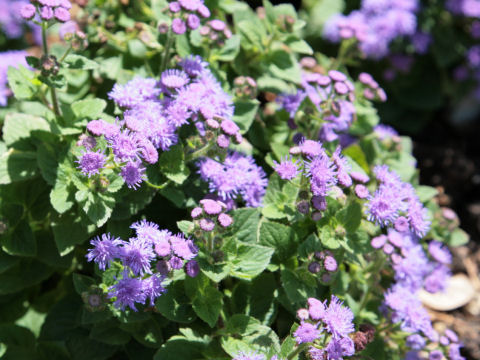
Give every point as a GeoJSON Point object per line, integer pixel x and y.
{"type": "Point", "coordinates": [56, 109]}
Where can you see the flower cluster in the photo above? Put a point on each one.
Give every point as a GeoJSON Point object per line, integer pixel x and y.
{"type": "Point", "coordinates": [186, 14]}
{"type": "Point", "coordinates": [210, 213]}
{"type": "Point", "coordinates": [236, 176]}
{"type": "Point", "coordinates": [372, 91]}
{"type": "Point", "coordinates": [375, 25]}
{"type": "Point", "coordinates": [396, 203]}
{"type": "Point", "coordinates": [47, 10]}
{"type": "Point", "coordinates": [330, 325]}
{"type": "Point", "coordinates": [7, 59]}
{"type": "Point", "coordinates": [154, 110]}
{"type": "Point", "coordinates": [146, 260]}
{"type": "Point", "coordinates": [224, 130]}
{"type": "Point", "coordinates": [467, 8]}
{"type": "Point", "coordinates": [217, 31]}
{"type": "Point", "coordinates": [245, 87]}
{"type": "Point", "coordinates": [323, 172]}
{"type": "Point", "coordinates": [323, 260]}
{"type": "Point", "coordinates": [331, 94]}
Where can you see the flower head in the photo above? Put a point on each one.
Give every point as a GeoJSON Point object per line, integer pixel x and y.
{"type": "Point", "coordinates": [91, 162]}
{"type": "Point", "coordinates": [286, 169]}
{"type": "Point", "coordinates": [105, 249]}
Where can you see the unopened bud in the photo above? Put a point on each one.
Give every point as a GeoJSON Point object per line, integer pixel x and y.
{"type": "Point", "coordinates": [314, 267]}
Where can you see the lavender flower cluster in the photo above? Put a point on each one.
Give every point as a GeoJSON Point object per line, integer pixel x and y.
{"type": "Point", "coordinates": [375, 25]}
{"type": "Point", "coordinates": [7, 59]}
{"type": "Point", "coordinates": [210, 213]}
{"type": "Point", "coordinates": [146, 259]}
{"type": "Point", "coordinates": [326, 328]}
{"type": "Point", "coordinates": [414, 270]}
{"type": "Point", "coordinates": [217, 31]}
{"type": "Point", "coordinates": [467, 8]}
{"type": "Point", "coordinates": [10, 20]}
{"type": "Point", "coordinates": [47, 10]}
{"type": "Point", "coordinates": [253, 356]}
{"type": "Point", "coordinates": [185, 13]}
{"type": "Point", "coordinates": [322, 170]}
{"type": "Point", "coordinates": [191, 94]}
{"type": "Point", "coordinates": [396, 203]}
{"type": "Point", "coordinates": [237, 176]}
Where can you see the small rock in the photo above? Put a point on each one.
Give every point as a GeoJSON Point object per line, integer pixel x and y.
{"type": "Point", "coordinates": [459, 292]}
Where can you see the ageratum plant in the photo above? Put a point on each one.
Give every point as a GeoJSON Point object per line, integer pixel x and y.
{"type": "Point", "coordinates": [189, 180]}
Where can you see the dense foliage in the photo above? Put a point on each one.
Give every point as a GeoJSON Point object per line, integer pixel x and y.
{"type": "Point", "coordinates": [190, 180]}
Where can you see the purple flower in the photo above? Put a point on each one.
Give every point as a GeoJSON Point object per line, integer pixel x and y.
{"type": "Point", "coordinates": [291, 102]}
{"type": "Point", "coordinates": [330, 263]}
{"type": "Point", "coordinates": [27, 11]}
{"type": "Point", "coordinates": [147, 231]}
{"type": "Point", "coordinates": [337, 348]}
{"type": "Point", "coordinates": [153, 288]}
{"type": "Point", "coordinates": [338, 319]}
{"type": "Point", "coordinates": [207, 224]}
{"type": "Point", "coordinates": [175, 262]}
{"type": "Point", "coordinates": [178, 26]}
{"type": "Point", "coordinates": [223, 141]}
{"type": "Point", "coordinates": [101, 127]}
{"type": "Point", "coordinates": [225, 220]}
{"type": "Point", "coordinates": [127, 292]}
{"type": "Point", "coordinates": [174, 78]}
{"type": "Point", "coordinates": [46, 12]}
{"type": "Point", "coordinates": [361, 191]}
{"type": "Point", "coordinates": [416, 342]}
{"type": "Point", "coordinates": [134, 92]}
{"type": "Point", "coordinates": [211, 207]}
{"type": "Point", "coordinates": [191, 268]}
{"type": "Point", "coordinates": [61, 14]}
{"type": "Point", "coordinates": [105, 249]}
{"type": "Point", "coordinates": [193, 65]}
{"type": "Point", "coordinates": [437, 280]}
{"type": "Point", "coordinates": [306, 332]}
{"type": "Point", "coordinates": [337, 75]}
{"type": "Point", "coordinates": [316, 309]}
{"type": "Point", "coordinates": [383, 206]}
{"type": "Point", "coordinates": [229, 127]}
{"type": "Point", "coordinates": [238, 175]}
{"type": "Point", "coordinates": [286, 169]}
{"type": "Point", "coordinates": [137, 255]}
{"type": "Point", "coordinates": [435, 355]}
{"type": "Point", "coordinates": [454, 352]}
{"type": "Point", "coordinates": [91, 162]}
{"type": "Point", "coordinates": [249, 356]}
{"type": "Point", "coordinates": [193, 21]}
{"type": "Point", "coordinates": [360, 177]}
{"type": "Point", "coordinates": [182, 247]}
{"type": "Point", "coordinates": [125, 145]}
{"type": "Point", "coordinates": [312, 148]}
{"type": "Point", "coordinates": [440, 252]}
{"type": "Point", "coordinates": [190, 5]}
{"type": "Point", "coordinates": [322, 173]}
{"type": "Point", "coordinates": [133, 173]}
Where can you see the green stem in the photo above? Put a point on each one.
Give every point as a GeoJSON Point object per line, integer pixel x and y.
{"type": "Point", "coordinates": [159, 187]}
{"type": "Point", "coordinates": [65, 54]}
{"type": "Point", "coordinates": [166, 52]}
{"type": "Point", "coordinates": [56, 109]}
{"type": "Point", "coordinates": [297, 351]}
{"type": "Point", "coordinates": [199, 153]}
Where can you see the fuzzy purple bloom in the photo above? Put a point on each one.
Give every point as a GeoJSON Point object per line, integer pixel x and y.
{"type": "Point", "coordinates": [306, 332]}
{"type": "Point", "coordinates": [127, 292]}
{"type": "Point", "coordinates": [90, 162]}
{"type": "Point", "coordinates": [338, 319]}
{"type": "Point", "coordinates": [286, 169]}
{"type": "Point", "coordinates": [133, 173]}
{"type": "Point", "coordinates": [137, 255]}
{"type": "Point", "coordinates": [134, 92]}
{"type": "Point", "coordinates": [104, 250]}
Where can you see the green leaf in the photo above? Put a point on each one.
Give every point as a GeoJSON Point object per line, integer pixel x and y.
{"type": "Point", "coordinates": [185, 226]}
{"type": "Point", "coordinates": [273, 84]}
{"type": "Point", "coordinates": [229, 50]}
{"type": "Point", "coordinates": [249, 260]}
{"type": "Point", "coordinates": [137, 49]}
{"type": "Point", "coordinates": [172, 164]}
{"type": "Point", "coordinates": [297, 290]}
{"type": "Point", "coordinates": [21, 240]}
{"type": "Point", "coordinates": [207, 301]}
{"type": "Point", "coordinates": [281, 238]}
{"type": "Point", "coordinates": [98, 207]}
{"type": "Point", "coordinates": [283, 65]}
{"type": "Point", "coordinates": [88, 108]}
{"type": "Point", "coordinates": [32, 320]}
{"type": "Point", "coordinates": [175, 305]}
{"type": "Point", "coordinates": [47, 161]}
{"type": "Point", "coordinates": [68, 231]}
{"type": "Point", "coordinates": [19, 127]}
{"type": "Point", "coordinates": [350, 216]}
{"type": "Point", "coordinates": [20, 81]}
{"type": "Point", "coordinates": [109, 333]}
{"type": "Point", "coordinates": [60, 197]}
{"type": "Point", "coordinates": [245, 111]}
{"type": "Point", "coordinates": [298, 45]}
{"type": "Point", "coordinates": [179, 347]}
{"type": "Point", "coordinates": [82, 283]}
{"type": "Point", "coordinates": [24, 274]}
{"type": "Point", "coordinates": [75, 61]}
{"type": "Point", "coordinates": [426, 193]}
{"type": "Point", "coordinates": [246, 224]}
{"type": "Point", "coordinates": [17, 166]}
{"type": "Point", "coordinates": [82, 347]}
{"type": "Point", "coordinates": [328, 238]}
{"type": "Point", "coordinates": [54, 81]}
{"type": "Point", "coordinates": [458, 237]}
